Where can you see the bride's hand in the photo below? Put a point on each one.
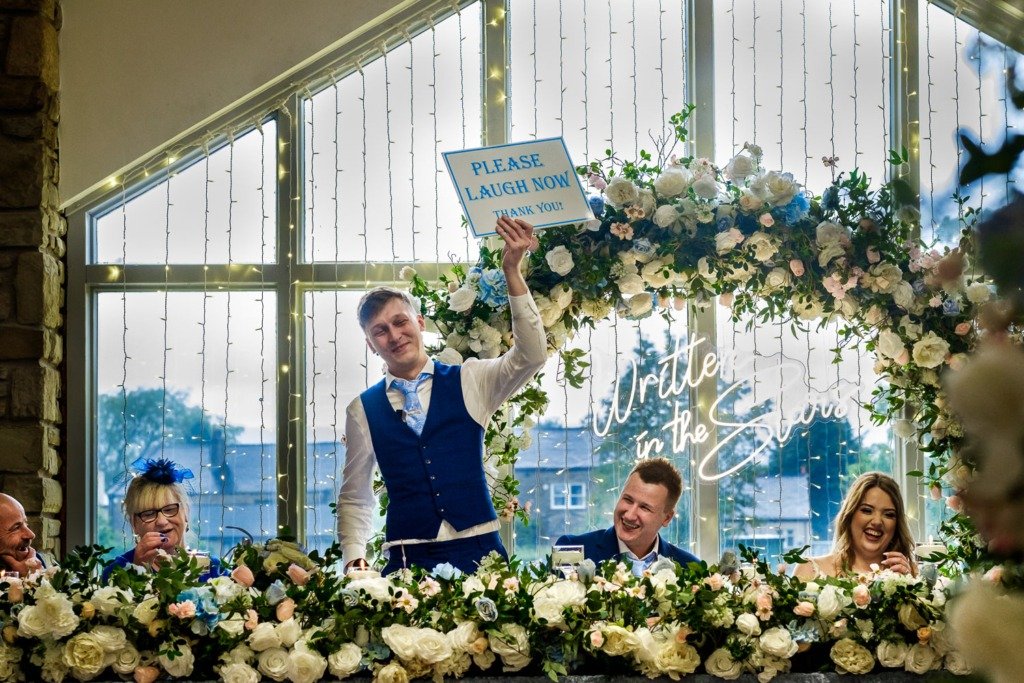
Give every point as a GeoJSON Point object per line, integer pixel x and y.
{"type": "Point", "coordinates": [897, 562]}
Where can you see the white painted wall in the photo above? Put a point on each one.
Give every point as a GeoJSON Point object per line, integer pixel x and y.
{"type": "Point", "coordinates": [136, 74]}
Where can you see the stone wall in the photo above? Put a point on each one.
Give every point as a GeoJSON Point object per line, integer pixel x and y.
{"type": "Point", "coordinates": [31, 265]}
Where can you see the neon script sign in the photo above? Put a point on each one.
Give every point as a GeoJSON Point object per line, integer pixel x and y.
{"type": "Point", "coordinates": [682, 370]}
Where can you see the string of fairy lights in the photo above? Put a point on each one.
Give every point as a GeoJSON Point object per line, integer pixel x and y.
{"type": "Point", "coordinates": [367, 192]}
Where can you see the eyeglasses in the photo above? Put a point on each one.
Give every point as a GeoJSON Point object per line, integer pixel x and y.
{"type": "Point", "coordinates": [168, 511]}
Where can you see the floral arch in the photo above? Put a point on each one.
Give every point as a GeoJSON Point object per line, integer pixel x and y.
{"type": "Point", "coordinates": [682, 229]}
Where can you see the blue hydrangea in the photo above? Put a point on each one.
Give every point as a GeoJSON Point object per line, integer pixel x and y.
{"type": "Point", "coordinates": [724, 223]}
{"type": "Point", "coordinates": [950, 307]}
{"type": "Point", "coordinates": [596, 202]}
{"type": "Point", "coordinates": [276, 592]}
{"type": "Point", "coordinates": [446, 571]}
{"type": "Point", "coordinates": [493, 288]}
{"type": "Point", "coordinates": [207, 610]}
{"type": "Point", "coordinates": [805, 631]}
{"type": "Point", "coordinates": [796, 210]}
{"type": "Point", "coordinates": [830, 199]}
{"type": "Point", "coordinates": [918, 286]}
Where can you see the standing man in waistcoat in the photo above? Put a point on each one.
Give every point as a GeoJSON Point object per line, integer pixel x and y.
{"type": "Point", "coordinates": [423, 425]}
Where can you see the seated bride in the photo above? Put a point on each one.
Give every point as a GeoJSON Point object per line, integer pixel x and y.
{"type": "Point", "coordinates": [871, 533]}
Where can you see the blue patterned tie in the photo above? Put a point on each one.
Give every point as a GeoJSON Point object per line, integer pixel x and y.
{"type": "Point", "coordinates": [639, 565]}
{"type": "Point", "coordinates": [412, 410]}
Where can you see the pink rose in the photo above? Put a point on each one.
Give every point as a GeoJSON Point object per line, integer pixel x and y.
{"type": "Point", "coordinates": [935, 491]}
{"type": "Point", "coordinates": [251, 619]}
{"type": "Point", "coordinates": [903, 358]}
{"type": "Point", "coordinates": [873, 255]}
{"type": "Point", "coordinates": [243, 575]}
{"type": "Point", "coordinates": [766, 220]}
{"type": "Point", "coordinates": [796, 266]}
{"type": "Point", "coordinates": [726, 299]}
{"type": "Point", "coordinates": [963, 328]}
{"type": "Point", "coordinates": [298, 575]}
{"type": "Point", "coordinates": [715, 582]}
{"type": "Point", "coordinates": [954, 503]}
{"type": "Point", "coordinates": [596, 181]}
{"type": "Point", "coordinates": [804, 609]}
{"type": "Point", "coordinates": [183, 610]}
{"type": "Point", "coordinates": [995, 575]}
{"type": "Point", "coordinates": [935, 301]}
{"type": "Point", "coordinates": [764, 606]}
{"type": "Point", "coordinates": [596, 639]}
{"type": "Point", "coordinates": [146, 674]}
{"type": "Point", "coordinates": [861, 595]}
{"type": "Point", "coordinates": [285, 609]}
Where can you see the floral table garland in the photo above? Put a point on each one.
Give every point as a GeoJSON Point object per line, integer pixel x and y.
{"type": "Point", "coordinates": [689, 231]}
{"type": "Point", "coordinates": [302, 621]}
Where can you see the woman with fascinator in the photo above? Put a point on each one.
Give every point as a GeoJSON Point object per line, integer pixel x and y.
{"type": "Point", "coordinates": [157, 507]}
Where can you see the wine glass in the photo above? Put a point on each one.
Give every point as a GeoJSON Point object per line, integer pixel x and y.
{"type": "Point", "coordinates": [565, 558]}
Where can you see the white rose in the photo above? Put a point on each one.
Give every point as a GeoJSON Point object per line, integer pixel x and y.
{"type": "Point", "coordinates": [559, 260]}
{"type": "Point", "coordinates": [930, 351]}
{"type": "Point", "coordinates": [618, 641]}
{"type": "Point", "coordinates": [550, 312]}
{"type": "Point", "coordinates": [53, 614]}
{"type": "Point", "coordinates": [233, 625]}
{"type": "Point", "coordinates": [706, 187]}
{"type": "Point", "coordinates": [781, 187]}
{"type": "Point", "coordinates": [407, 273]}
{"type": "Point", "coordinates": [274, 663]}
{"type": "Point", "coordinates": [640, 304]}
{"type": "Point", "coordinates": [704, 268]}
{"type": "Point", "coordinates": [777, 642]}
{"type": "Point", "coordinates": [956, 664]}
{"type": "Point", "coordinates": [181, 665]}
{"type": "Point", "coordinates": [890, 345]}
{"type": "Point", "coordinates": [401, 639]}
{"type": "Point", "coordinates": [238, 672]}
{"type": "Point", "coordinates": [145, 612]}
{"type": "Point", "coordinates": [621, 191]}
{"type": "Point", "coordinates": [9, 658]}
{"type": "Point", "coordinates": [346, 661]}
{"type": "Point", "coordinates": [891, 653]}
{"type": "Point", "coordinates": [108, 599]}
{"type": "Point", "coordinates": [921, 659]}
{"type": "Point", "coordinates": [848, 306]}
{"type": "Point", "coordinates": [225, 588]}
{"type": "Point", "coordinates": [830, 251]}
{"type": "Point", "coordinates": [264, 637]}
{"type": "Point", "coordinates": [432, 646]}
{"type": "Point", "coordinates": [110, 638]}
{"type": "Point", "coordinates": [288, 631]}
{"type": "Point", "coordinates": [551, 600]}
{"type": "Point", "coordinates": [978, 293]}
{"type": "Point", "coordinates": [721, 664]}
{"type": "Point", "coordinates": [762, 245]}
{"type": "Point", "coordinates": [831, 601]}
{"type": "Point", "coordinates": [776, 279]}
{"type": "Point", "coordinates": [725, 242]}
{"type": "Point", "coordinates": [884, 277]}
{"type": "Point", "coordinates": [459, 342]}
{"type": "Point", "coordinates": [807, 309]}
{"type": "Point", "coordinates": [910, 617]}
{"type": "Point", "coordinates": [852, 657]}
{"type": "Point", "coordinates": [827, 233]}
{"type": "Point", "coordinates": [630, 284]}
{"type": "Point", "coordinates": [461, 300]}
{"type": "Point", "coordinates": [672, 182]}
{"type": "Point", "coordinates": [305, 665]}
{"type": "Point", "coordinates": [666, 216]}
{"type": "Point", "coordinates": [874, 316]}
{"type": "Point", "coordinates": [903, 295]}
{"type": "Point", "coordinates": [740, 167]}
{"type": "Point", "coordinates": [561, 294]}
{"type": "Point", "coordinates": [32, 622]}
{"type": "Point", "coordinates": [512, 644]}
{"type": "Point", "coordinates": [85, 656]}
{"type": "Point", "coordinates": [647, 202]}
{"type": "Point", "coordinates": [126, 660]}
{"type": "Point", "coordinates": [392, 672]}
{"type": "Point", "coordinates": [911, 329]}
{"type": "Point", "coordinates": [598, 309]}
{"type": "Point", "coordinates": [748, 624]}
{"type": "Point", "coordinates": [657, 274]}
{"type": "Point", "coordinates": [750, 202]}
{"type": "Point", "coordinates": [675, 659]}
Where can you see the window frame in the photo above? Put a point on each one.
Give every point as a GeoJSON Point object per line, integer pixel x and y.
{"type": "Point", "coordinates": [291, 278]}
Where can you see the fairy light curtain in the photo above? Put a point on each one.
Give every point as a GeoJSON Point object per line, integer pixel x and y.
{"type": "Point", "coordinates": [205, 289]}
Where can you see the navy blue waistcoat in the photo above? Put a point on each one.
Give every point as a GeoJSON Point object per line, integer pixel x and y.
{"type": "Point", "coordinates": [438, 475]}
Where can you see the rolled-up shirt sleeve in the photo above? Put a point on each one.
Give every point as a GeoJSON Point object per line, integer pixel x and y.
{"type": "Point", "coordinates": [356, 501]}
{"type": "Point", "coordinates": [488, 383]}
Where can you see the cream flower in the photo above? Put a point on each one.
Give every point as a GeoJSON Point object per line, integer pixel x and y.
{"type": "Point", "coordinates": [890, 344]}
{"type": "Point", "coordinates": [181, 665]}
{"type": "Point", "coordinates": [930, 351]}
{"type": "Point", "coordinates": [666, 216]}
{"type": "Point", "coordinates": [53, 615]}
{"type": "Point", "coordinates": [910, 617]}
{"type": "Point", "coordinates": [238, 672]}
{"type": "Point", "coordinates": [462, 299]}
{"type": "Point", "coordinates": [630, 284]}
{"type": "Point", "coordinates": [722, 665]}
{"type": "Point", "coordinates": [778, 642]}
{"type": "Point", "coordinates": [831, 601]}
{"type": "Point", "coordinates": [763, 246]}
{"type": "Point", "coordinates": [706, 187]}
{"type": "Point", "coordinates": [559, 260]}
{"type": "Point", "coordinates": [673, 181]}
{"type": "Point", "coordinates": [891, 653]}
{"type": "Point", "coordinates": [512, 644]}
{"type": "Point", "coordinates": [305, 665]}
{"type": "Point", "coordinates": [273, 663]}
{"type": "Point", "coordinates": [109, 599]}
{"type": "Point", "coordinates": [640, 304]}
{"type": "Point", "coordinates": [978, 293]}
{"type": "Point", "coordinates": [748, 624]}
{"type": "Point", "coordinates": [392, 672]}
{"type": "Point", "coordinates": [551, 600]}
{"type": "Point", "coordinates": [852, 657]}
{"type": "Point", "coordinates": [657, 274]}
{"type": "Point", "coordinates": [921, 659]}
{"type": "Point", "coordinates": [85, 656]}
{"type": "Point", "coordinates": [740, 167]}
{"type": "Point", "coordinates": [345, 661]}
{"type": "Point", "coordinates": [621, 191]}
{"type": "Point", "coordinates": [264, 637]}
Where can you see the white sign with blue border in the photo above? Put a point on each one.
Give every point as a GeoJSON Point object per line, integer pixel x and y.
{"type": "Point", "coordinates": [534, 180]}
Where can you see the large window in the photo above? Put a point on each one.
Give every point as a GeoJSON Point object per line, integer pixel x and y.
{"type": "Point", "coordinates": [219, 282]}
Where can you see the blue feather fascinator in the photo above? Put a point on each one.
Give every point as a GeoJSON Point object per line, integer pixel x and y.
{"type": "Point", "coordinates": [161, 470]}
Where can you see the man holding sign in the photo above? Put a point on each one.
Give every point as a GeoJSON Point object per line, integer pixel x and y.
{"type": "Point", "coordinates": [423, 425]}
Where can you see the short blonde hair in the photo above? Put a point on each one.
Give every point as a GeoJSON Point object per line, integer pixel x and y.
{"type": "Point", "coordinates": [145, 494]}
{"type": "Point", "coordinates": [902, 541]}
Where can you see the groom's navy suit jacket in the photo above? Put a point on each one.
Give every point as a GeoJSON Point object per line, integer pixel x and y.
{"type": "Point", "coordinates": [603, 545]}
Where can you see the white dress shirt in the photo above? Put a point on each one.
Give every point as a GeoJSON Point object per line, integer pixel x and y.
{"type": "Point", "coordinates": [486, 384]}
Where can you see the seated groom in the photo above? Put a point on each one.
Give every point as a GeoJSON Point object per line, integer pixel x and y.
{"type": "Point", "coordinates": [16, 551]}
{"type": "Point", "coordinates": [647, 503]}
